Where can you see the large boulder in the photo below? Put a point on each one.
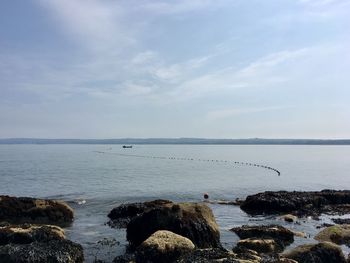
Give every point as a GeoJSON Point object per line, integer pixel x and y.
{"type": "Point", "coordinates": [121, 216]}
{"type": "Point", "coordinates": [30, 210]}
{"type": "Point", "coordinates": [338, 234]}
{"type": "Point", "coordinates": [281, 235]}
{"type": "Point", "coordinates": [163, 246]}
{"type": "Point", "coordinates": [301, 203]}
{"type": "Point", "coordinates": [192, 220]}
{"type": "Point", "coordinates": [324, 252]}
{"type": "Point", "coordinates": [39, 244]}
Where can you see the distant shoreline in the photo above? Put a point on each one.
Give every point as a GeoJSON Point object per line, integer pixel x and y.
{"type": "Point", "coordinates": [179, 141]}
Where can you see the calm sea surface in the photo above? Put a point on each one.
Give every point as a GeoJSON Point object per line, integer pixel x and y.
{"type": "Point", "coordinates": [96, 178]}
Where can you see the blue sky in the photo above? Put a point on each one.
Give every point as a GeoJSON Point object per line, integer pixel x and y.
{"type": "Point", "coordinates": [209, 68]}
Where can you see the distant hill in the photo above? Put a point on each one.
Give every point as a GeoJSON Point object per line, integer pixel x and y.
{"type": "Point", "coordinates": [254, 141]}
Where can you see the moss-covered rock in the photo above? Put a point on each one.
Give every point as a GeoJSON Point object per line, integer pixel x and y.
{"type": "Point", "coordinates": [281, 235]}
{"type": "Point", "coordinates": [260, 245]}
{"type": "Point", "coordinates": [163, 246]}
{"type": "Point", "coordinates": [338, 234]}
{"type": "Point", "coordinates": [38, 211]}
{"type": "Point", "coordinates": [324, 252]}
{"type": "Point", "coordinates": [39, 244]}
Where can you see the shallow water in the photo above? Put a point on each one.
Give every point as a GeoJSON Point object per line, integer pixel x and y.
{"type": "Point", "coordinates": [96, 178]}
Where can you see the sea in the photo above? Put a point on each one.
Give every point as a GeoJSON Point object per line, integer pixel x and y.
{"type": "Point", "coordinates": [94, 179]}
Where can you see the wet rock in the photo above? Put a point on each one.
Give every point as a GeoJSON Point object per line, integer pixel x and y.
{"type": "Point", "coordinates": [53, 251]}
{"type": "Point", "coordinates": [301, 203]}
{"type": "Point", "coordinates": [299, 234]}
{"type": "Point", "coordinates": [192, 220]}
{"type": "Point", "coordinates": [163, 246]}
{"type": "Point", "coordinates": [30, 210]}
{"type": "Point", "coordinates": [338, 234]}
{"type": "Point", "coordinates": [324, 225]}
{"type": "Point", "coordinates": [289, 218]}
{"type": "Point", "coordinates": [121, 216]}
{"type": "Point", "coordinates": [126, 258]}
{"type": "Point", "coordinates": [324, 252]}
{"type": "Point", "coordinates": [341, 221]}
{"type": "Point", "coordinates": [260, 245]}
{"type": "Point", "coordinates": [39, 244]}
{"type": "Point", "coordinates": [216, 255]}
{"type": "Point", "coordinates": [246, 254]}
{"type": "Point", "coordinates": [282, 236]}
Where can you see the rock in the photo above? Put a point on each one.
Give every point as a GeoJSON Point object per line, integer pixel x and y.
{"type": "Point", "coordinates": [282, 236]}
{"type": "Point", "coordinates": [289, 218]}
{"type": "Point", "coordinates": [299, 234]}
{"type": "Point", "coordinates": [163, 246]}
{"type": "Point", "coordinates": [39, 244]}
{"type": "Point", "coordinates": [341, 221]}
{"type": "Point", "coordinates": [324, 225]}
{"type": "Point", "coordinates": [192, 220]}
{"type": "Point", "coordinates": [260, 245]}
{"type": "Point", "coordinates": [211, 255]}
{"type": "Point", "coordinates": [338, 234]}
{"type": "Point", "coordinates": [301, 203]}
{"type": "Point", "coordinates": [246, 254]}
{"type": "Point", "coordinates": [324, 252]}
{"type": "Point", "coordinates": [123, 214]}
{"type": "Point", "coordinates": [30, 210]}
{"type": "Point", "coordinates": [53, 251]}
{"type": "Point", "coordinates": [126, 258]}
{"type": "Point", "coordinates": [26, 234]}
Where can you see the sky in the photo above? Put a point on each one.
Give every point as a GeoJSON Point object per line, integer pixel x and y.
{"type": "Point", "coordinates": [175, 68]}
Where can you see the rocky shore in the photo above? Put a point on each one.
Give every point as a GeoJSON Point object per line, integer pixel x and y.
{"type": "Point", "coordinates": [165, 231]}
{"type": "Point", "coordinates": [30, 231]}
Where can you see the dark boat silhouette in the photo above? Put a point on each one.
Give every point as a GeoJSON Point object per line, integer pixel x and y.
{"type": "Point", "coordinates": [127, 146]}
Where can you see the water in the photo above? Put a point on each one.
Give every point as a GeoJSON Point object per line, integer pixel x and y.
{"type": "Point", "coordinates": [94, 182]}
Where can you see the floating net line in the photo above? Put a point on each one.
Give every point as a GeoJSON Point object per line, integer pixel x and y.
{"type": "Point", "coordinates": [193, 159]}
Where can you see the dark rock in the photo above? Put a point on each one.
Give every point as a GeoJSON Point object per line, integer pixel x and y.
{"type": "Point", "coordinates": [126, 258]}
{"type": "Point", "coordinates": [341, 221]}
{"type": "Point", "coordinates": [324, 225]}
{"type": "Point", "coordinates": [301, 203]}
{"type": "Point", "coordinates": [212, 255]}
{"type": "Point", "coordinates": [30, 210]}
{"type": "Point", "coordinates": [324, 252]}
{"type": "Point", "coordinates": [192, 220]}
{"type": "Point", "coordinates": [53, 251]}
{"type": "Point", "coordinates": [123, 214]}
{"type": "Point", "coordinates": [338, 234]}
{"type": "Point", "coordinates": [39, 244]}
{"type": "Point", "coordinates": [163, 246]}
{"type": "Point", "coordinates": [281, 235]}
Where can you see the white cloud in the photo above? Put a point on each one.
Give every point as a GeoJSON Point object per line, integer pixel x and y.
{"type": "Point", "coordinates": [181, 6]}
{"type": "Point", "coordinates": [95, 24]}
{"type": "Point", "coordinates": [232, 112]}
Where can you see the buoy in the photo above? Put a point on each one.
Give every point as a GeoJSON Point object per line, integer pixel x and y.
{"type": "Point", "coordinates": [206, 196]}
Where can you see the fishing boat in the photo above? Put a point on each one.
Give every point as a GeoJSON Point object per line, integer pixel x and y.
{"type": "Point", "coordinates": [127, 146]}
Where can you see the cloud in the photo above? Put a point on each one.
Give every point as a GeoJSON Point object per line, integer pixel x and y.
{"type": "Point", "coordinates": [257, 74]}
{"type": "Point", "coordinates": [96, 25]}
{"type": "Point", "coordinates": [232, 112]}
{"type": "Point", "coordinates": [181, 6]}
